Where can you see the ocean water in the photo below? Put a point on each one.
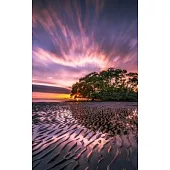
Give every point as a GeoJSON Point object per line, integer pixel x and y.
{"type": "Point", "coordinates": [49, 100]}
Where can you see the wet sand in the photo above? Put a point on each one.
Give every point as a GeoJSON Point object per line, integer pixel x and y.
{"type": "Point", "coordinates": [85, 136]}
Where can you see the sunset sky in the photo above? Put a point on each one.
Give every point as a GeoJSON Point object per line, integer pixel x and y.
{"type": "Point", "coordinates": [74, 38]}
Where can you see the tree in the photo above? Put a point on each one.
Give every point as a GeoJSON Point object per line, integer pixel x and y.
{"type": "Point", "coordinates": [132, 81]}
{"type": "Point", "coordinates": [110, 84]}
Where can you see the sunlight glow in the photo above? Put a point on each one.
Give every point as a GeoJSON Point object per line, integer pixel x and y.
{"type": "Point", "coordinates": [39, 95]}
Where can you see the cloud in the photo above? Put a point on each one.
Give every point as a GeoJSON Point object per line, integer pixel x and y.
{"type": "Point", "coordinates": [49, 89]}
{"type": "Point", "coordinates": [71, 40]}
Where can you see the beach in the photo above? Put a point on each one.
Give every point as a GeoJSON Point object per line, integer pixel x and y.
{"type": "Point", "coordinates": [85, 135]}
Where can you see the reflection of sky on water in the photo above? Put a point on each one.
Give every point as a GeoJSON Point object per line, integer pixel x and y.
{"type": "Point", "coordinates": [63, 115]}
{"type": "Point", "coordinates": [56, 128]}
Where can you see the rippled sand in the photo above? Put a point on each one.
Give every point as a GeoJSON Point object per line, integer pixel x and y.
{"type": "Point", "coordinates": [85, 136]}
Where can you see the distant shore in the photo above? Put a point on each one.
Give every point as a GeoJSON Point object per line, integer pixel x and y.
{"type": "Point", "coordinates": [80, 101]}
{"type": "Point", "coordinates": [100, 101]}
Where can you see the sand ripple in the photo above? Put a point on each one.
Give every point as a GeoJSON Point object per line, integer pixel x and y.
{"type": "Point", "coordinates": [84, 136]}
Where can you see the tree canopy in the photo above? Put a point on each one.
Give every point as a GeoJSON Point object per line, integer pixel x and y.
{"type": "Point", "coordinates": [111, 84]}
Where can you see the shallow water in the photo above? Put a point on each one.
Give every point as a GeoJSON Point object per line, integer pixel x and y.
{"type": "Point", "coordinates": [96, 135]}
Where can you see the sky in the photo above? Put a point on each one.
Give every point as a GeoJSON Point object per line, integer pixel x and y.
{"type": "Point", "coordinates": [71, 38]}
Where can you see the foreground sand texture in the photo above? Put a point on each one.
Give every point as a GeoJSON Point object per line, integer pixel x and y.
{"type": "Point", "coordinates": [85, 136]}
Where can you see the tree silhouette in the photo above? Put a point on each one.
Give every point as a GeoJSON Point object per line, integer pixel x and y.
{"type": "Point", "coordinates": [110, 84]}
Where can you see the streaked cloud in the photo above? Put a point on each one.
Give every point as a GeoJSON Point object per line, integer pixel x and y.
{"type": "Point", "coordinates": [74, 38]}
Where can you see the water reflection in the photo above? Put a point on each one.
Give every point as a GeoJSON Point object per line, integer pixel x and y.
{"type": "Point", "coordinates": [84, 135]}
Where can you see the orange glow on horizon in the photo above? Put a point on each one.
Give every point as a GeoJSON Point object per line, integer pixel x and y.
{"type": "Point", "coordinates": [39, 95]}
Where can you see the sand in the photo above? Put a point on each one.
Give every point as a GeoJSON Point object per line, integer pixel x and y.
{"type": "Point", "coordinates": [88, 135]}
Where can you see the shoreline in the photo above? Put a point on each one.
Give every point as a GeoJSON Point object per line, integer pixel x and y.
{"type": "Point", "coordinates": [102, 101]}
{"type": "Point", "coordinates": [136, 102]}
